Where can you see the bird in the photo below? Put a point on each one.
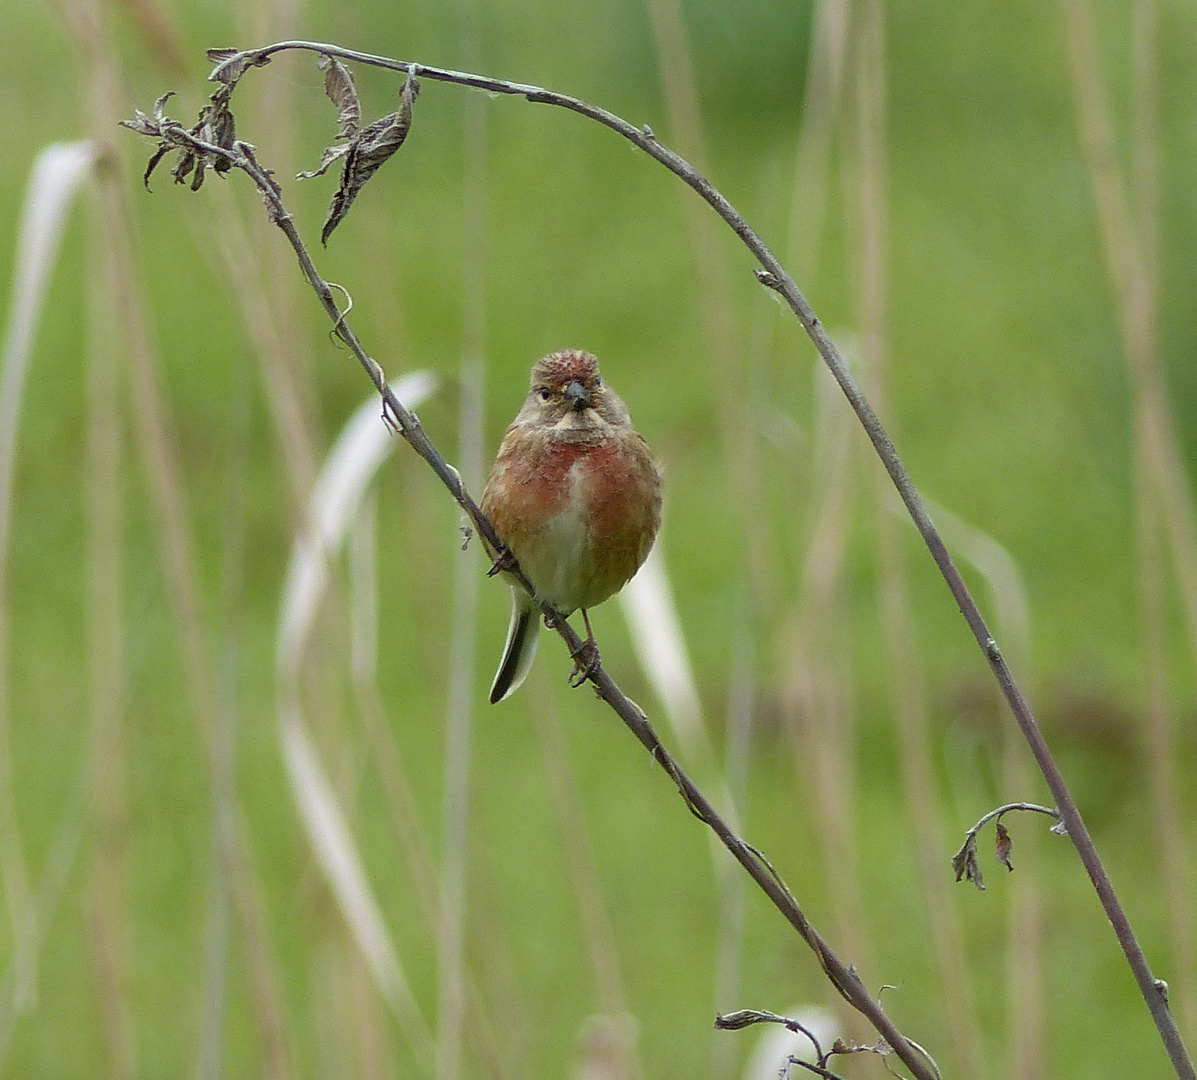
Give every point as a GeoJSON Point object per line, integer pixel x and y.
{"type": "Point", "coordinates": [575, 497]}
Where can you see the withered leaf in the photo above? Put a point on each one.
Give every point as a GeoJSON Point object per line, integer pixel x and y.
{"type": "Point", "coordinates": [331, 154]}
{"type": "Point", "coordinates": [342, 92]}
{"type": "Point", "coordinates": [230, 73]}
{"type": "Point", "coordinates": [367, 152]}
{"type": "Point", "coordinates": [964, 862]}
{"type": "Point", "coordinates": [1003, 845]}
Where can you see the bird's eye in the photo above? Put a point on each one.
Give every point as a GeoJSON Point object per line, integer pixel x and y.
{"type": "Point", "coordinates": [544, 393]}
{"type": "Point", "coordinates": [598, 381]}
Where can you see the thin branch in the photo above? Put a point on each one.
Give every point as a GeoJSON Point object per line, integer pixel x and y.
{"type": "Point", "coordinates": [842, 976]}
{"type": "Point", "coordinates": [774, 276]}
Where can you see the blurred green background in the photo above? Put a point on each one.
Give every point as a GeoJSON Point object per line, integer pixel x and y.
{"type": "Point", "coordinates": [1008, 392]}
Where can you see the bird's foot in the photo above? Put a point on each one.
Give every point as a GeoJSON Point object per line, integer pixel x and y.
{"type": "Point", "coordinates": [586, 659]}
{"type": "Point", "coordinates": [503, 561]}
{"type": "Point", "coordinates": [586, 663]}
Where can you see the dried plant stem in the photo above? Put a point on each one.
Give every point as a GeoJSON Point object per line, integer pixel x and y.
{"type": "Point", "coordinates": [774, 276]}
{"type": "Point", "coordinates": [463, 634]}
{"type": "Point", "coordinates": [842, 976]}
{"type": "Point", "coordinates": [108, 915]}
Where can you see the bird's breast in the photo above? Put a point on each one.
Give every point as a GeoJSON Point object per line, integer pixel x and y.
{"type": "Point", "coordinates": [579, 517]}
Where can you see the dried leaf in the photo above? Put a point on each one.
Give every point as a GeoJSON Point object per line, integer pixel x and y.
{"type": "Point", "coordinates": [231, 64]}
{"type": "Point", "coordinates": [341, 91]}
{"type": "Point", "coordinates": [368, 151]}
{"type": "Point", "coordinates": [1002, 846]}
{"type": "Point", "coordinates": [964, 862]}
{"type": "Point", "coordinates": [743, 1018]}
{"type": "Point", "coordinates": [331, 154]}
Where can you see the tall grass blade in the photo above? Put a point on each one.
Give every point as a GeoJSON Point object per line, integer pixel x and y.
{"type": "Point", "coordinates": [336, 499]}
{"type": "Point", "coordinates": [57, 174]}
{"type": "Point", "coordinates": [351, 464]}
{"type": "Point", "coordinates": [342, 866]}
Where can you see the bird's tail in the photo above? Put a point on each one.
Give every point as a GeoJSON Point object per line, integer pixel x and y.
{"type": "Point", "coordinates": [522, 635]}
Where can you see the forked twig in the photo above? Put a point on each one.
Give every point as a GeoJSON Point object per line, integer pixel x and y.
{"type": "Point", "coordinates": [225, 152]}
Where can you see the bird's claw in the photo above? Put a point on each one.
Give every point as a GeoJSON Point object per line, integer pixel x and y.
{"type": "Point", "coordinates": [503, 561]}
{"type": "Point", "coordinates": [586, 663]}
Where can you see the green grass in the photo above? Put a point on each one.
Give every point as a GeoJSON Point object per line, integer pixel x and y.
{"type": "Point", "coordinates": [1009, 401]}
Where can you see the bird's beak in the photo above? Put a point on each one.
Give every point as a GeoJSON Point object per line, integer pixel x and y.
{"type": "Point", "coordinates": [578, 397]}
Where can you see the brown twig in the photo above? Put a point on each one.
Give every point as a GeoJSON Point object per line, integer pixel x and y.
{"type": "Point", "coordinates": [774, 275]}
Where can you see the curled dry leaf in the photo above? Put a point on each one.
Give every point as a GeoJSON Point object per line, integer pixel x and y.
{"type": "Point", "coordinates": [734, 1021]}
{"type": "Point", "coordinates": [231, 64]}
{"type": "Point", "coordinates": [1003, 845]}
{"type": "Point", "coordinates": [215, 126]}
{"type": "Point", "coordinates": [964, 862]}
{"type": "Point", "coordinates": [367, 152]}
{"type": "Point", "coordinates": [342, 92]}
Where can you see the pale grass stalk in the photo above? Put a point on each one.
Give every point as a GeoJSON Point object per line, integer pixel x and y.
{"type": "Point", "coordinates": [820, 117]}
{"type": "Point", "coordinates": [158, 452]}
{"type": "Point", "coordinates": [261, 964]}
{"type": "Point", "coordinates": [224, 805]}
{"type": "Point", "coordinates": [246, 270]}
{"type": "Point", "coordinates": [1165, 512]}
{"type": "Point", "coordinates": [373, 1046]}
{"type": "Point", "coordinates": [408, 829]}
{"type": "Point", "coordinates": [108, 900]}
{"type": "Point", "coordinates": [915, 752]}
{"type": "Point", "coordinates": [340, 487]}
{"type": "Point", "coordinates": [1027, 1003]}
{"type": "Point", "coordinates": [463, 632]}
{"type": "Point", "coordinates": [288, 372]}
{"type": "Point", "coordinates": [1160, 733]}
{"type": "Point", "coordinates": [741, 704]}
{"type": "Point", "coordinates": [650, 611]}
{"type": "Point", "coordinates": [1025, 988]}
{"type": "Point", "coordinates": [409, 832]}
{"type": "Point", "coordinates": [51, 885]}
{"type": "Point", "coordinates": [463, 636]}
{"type": "Point", "coordinates": [341, 864]}
{"type": "Point", "coordinates": [817, 680]}
{"type": "Point", "coordinates": [57, 175]}
{"type": "Point", "coordinates": [619, 1059]}
{"type": "Point", "coordinates": [716, 306]}
{"type": "Point", "coordinates": [660, 646]}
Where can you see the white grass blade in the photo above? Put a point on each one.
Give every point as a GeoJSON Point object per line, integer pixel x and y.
{"type": "Point", "coordinates": [647, 604]}
{"type": "Point", "coordinates": [335, 504]}
{"type": "Point", "coordinates": [350, 466]}
{"type": "Point", "coordinates": [57, 175]}
{"type": "Point", "coordinates": [338, 857]}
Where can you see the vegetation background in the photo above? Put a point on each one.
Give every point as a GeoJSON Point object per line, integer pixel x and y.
{"type": "Point", "coordinates": [926, 180]}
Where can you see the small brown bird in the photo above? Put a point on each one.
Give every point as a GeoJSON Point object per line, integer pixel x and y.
{"type": "Point", "coordinates": [576, 496]}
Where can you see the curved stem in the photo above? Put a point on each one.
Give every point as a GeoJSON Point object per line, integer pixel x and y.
{"type": "Point", "coordinates": [773, 275]}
